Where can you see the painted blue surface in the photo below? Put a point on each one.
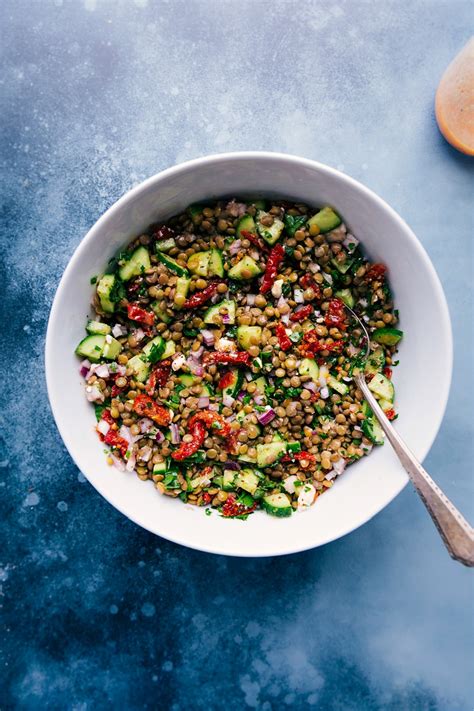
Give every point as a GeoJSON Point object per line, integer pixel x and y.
{"type": "Point", "coordinates": [99, 614]}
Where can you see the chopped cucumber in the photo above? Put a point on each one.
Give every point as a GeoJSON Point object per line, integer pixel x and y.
{"type": "Point", "coordinates": [96, 327]}
{"type": "Point", "coordinates": [308, 366]}
{"type": "Point", "coordinates": [91, 347]}
{"type": "Point", "coordinates": [154, 349]}
{"type": "Point", "coordinates": [246, 269]}
{"type": "Point", "coordinates": [346, 296]}
{"type": "Point", "coordinates": [272, 233]}
{"type": "Point", "coordinates": [246, 223]}
{"type": "Point", "coordinates": [104, 291]}
{"type": "Point", "coordinates": [326, 219]}
{"type": "Point", "coordinates": [228, 479]}
{"type": "Point", "coordinates": [248, 336]}
{"type": "Point", "coordinates": [247, 458]}
{"type": "Point", "coordinates": [387, 336]}
{"type": "Point", "coordinates": [277, 505]}
{"type": "Point", "coordinates": [375, 361]}
{"type": "Point", "coordinates": [112, 348]}
{"type": "Point", "coordinates": [383, 387]}
{"type": "Point", "coordinates": [216, 264]}
{"type": "Point", "coordinates": [170, 349]}
{"type": "Point", "coordinates": [165, 245]}
{"type": "Point", "coordinates": [268, 454]}
{"type": "Point", "coordinates": [235, 384]}
{"type": "Point", "coordinates": [160, 313]}
{"type": "Point", "coordinates": [247, 480]}
{"type": "Point", "coordinates": [198, 263]}
{"type": "Point", "coordinates": [386, 405]}
{"type": "Point", "coordinates": [160, 467]}
{"type": "Point", "coordinates": [260, 385]}
{"type": "Point", "coordinates": [139, 368]}
{"type": "Point", "coordinates": [136, 265]}
{"type": "Point", "coordinates": [215, 316]}
{"type": "Point", "coordinates": [342, 267]}
{"type": "Point", "coordinates": [337, 385]}
{"type": "Point", "coordinates": [181, 292]}
{"type": "Point", "coordinates": [172, 264]}
{"type": "Point", "coordinates": [372, 430]}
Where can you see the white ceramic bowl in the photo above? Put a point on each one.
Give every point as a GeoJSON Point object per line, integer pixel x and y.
{"type": "Point", "coordinates": [422, 380]}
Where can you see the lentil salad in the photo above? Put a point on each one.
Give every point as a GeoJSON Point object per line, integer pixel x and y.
{"type": "Point", "coordinates": [221, 355]}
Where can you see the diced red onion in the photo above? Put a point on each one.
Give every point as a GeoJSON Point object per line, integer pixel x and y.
{"type": "Point", "coordinates": [159, 437]}
{"type": "Point", "coordinates": [357, 428]}
{"type": "Point", "coordinates": [250, 299]}
{"type": "Point", "coordinates": [255, 255]}
{"type": "Point", "coordinates": [285, 319]}
{"type": "Point", "coordinates": [118, 463]}
{"type": "Point", "coordinates": [178, 361]}
{"type": "Point", "coordinates": [299, 296]}
{"type": "Point", "coordinates": [233, 466]}
{"type": "Point", "coordinates": [214, 406]}
{"type": "Point", "coordinates": [125, 432]}
{"type": "Point", "coordinates": [331, 475]}
{"type": "Point", "coordinates": [198, 354]}
{"type": "Point", "coordinates": [102, 371]}
{"type": "Point", "coordinates": [203, 402]}
{"type": "Point", "coordinates": [175, 438]}
{"type": "Point", "coordinates": [84, 369]}
{"type": "Point", "coordinates": [139, 334]}
{"type": "Point", "coordinates": [145, 425]}
{"type": "Point", "coordinates": [227, 400]}
{"type": "Point", "coordinates": [103, 427]}
{"type": "Point", "coordinates": [363, 303]}
{"type": "Point", "coordinates": [236, 209]}
{"type": "Point", "coordinates": [266, 417]}
{"type": "Point", "coordinates": [226, 319]}
{"type": "Point", "coordinates": [324, 393]}
{"type": "Point", "coordinates": [339, 466]}
{"type": "Point", "coordinates": [350, 242]}
{"type": "Point", "coordinates": [259, 399]}
{"type": "Point", "coordinates": [208, 337]}
{"type": "Point", "coordinates": [281, 302]}
{"type": "Point", "coordinates": [347, 379]}
{"type": "Point", "coordinates": [119, 330]}
{"type": "Point", "coordinates": [234, 247]}
{"type": "Point", "coordinates": [313, 267]}
{"type": "Point", "coordinates": [131, 461]}
{"type": "Point", "coordinates": [310, 386]}
{"type": "Point", "coordinates": [241, 395]}
{"type": "Point", "coordinates": [322, 381]}
{"type": "Point", "coordinates": [352, 349]}
{"type": "Point", "coordinates": [328, 278]}
{"type": "Point", "coordinates": [94, 394]}
{"type": "Point", "coordinates": [248, 375]}
{"type": "Point", "coordinates": [121, 370]}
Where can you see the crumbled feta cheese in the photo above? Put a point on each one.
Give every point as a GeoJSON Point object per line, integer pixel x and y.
{"type": "Point", "coordinates": [276, 288]}
{"type": "Point", "coordinates": [289, 484]}
{"type": "Point", "coordinates": [306, 496]}
{"type": "Point", "coordinates": [225, 345]}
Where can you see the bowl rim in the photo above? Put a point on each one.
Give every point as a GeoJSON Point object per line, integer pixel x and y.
{"type": "Point", "coordinates": [216, 158]}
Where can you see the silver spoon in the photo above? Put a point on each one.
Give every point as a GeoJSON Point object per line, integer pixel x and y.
{"type": "Point", "coordinates": [457, 534]}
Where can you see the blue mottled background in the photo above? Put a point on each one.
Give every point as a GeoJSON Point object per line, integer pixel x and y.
{"type": "Point", "coordinates": [96, 96]}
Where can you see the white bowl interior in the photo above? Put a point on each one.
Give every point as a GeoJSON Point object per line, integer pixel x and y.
{"type": "Point", "coordinates": [422, 379]}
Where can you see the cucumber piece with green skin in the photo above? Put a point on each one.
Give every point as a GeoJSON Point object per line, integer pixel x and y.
{"type": "Point", "coordinates": [345, 295]}
{"type": "Point", "coordinates": [198, 263]}
{"type": "Point", "coordinates": [160, 467]}
{"type": "Point", "coordinates": [268, 454]}
{"type": "Point", "coordinates": [260, 385]}
{"type": "Point", "coordinates": [372, 430]}
{"type": "Point", "coordinates": [387, 336]}
{"type": "Point", "coordinates": [91, 347]}
{"type": "Point", "coordinates": [228, 480]}
{"type": "Point", "coordinates": [383, 387]}
{"type": "Point", "coordinates": [104, 290]}
{"type": "Point", "coordinates": [259, 204]}
{"type": "Point", "coordinates": [97, 327]}
{"type": "Point", "coordinates": [246, 224]}
{"type": "Point", "coordinates": [247, 480]}
{"type": "Point", "coordinates": [189, 380]}
{"type": "Point", "coordinates": [112, 348]}
{"type": "Point", "coordinates": [342, 267]}
{"type": "Point", "coordinates": [247, 458]}
{"type": "Point", "coordinates": [248, 336]}
{"type": "Point", "coordinates": [366, 409]}
{"type": "Point", "coordinates": [337, 385]}
{"type": "Point", "coordinates": [376, 361]}
{"type": "Point", "coordinates": [386, 405]}
{"type": "Point", "coordinates": [154, 349]}
{"type": "Point", "coordinates": [272, 233]}
{"type": "Point", "coordinates": [244, 419]}
{"type": "Point", "coordinates": [214, 317]}
{"type": "Point", "coordinates": [170, 349]}
{"type": "Point", "coordinates": [308, 366]}
{"type": "Point", "coordinates": [163, 315]}
{"type": "Point", "coordinates": [165, 245]}
{"type": "Point", "coordinates": [244, 270]}
{"type": "Point", "coordinates": [293, 223]}
{"type": "Point", "coordinates": [234, 386]}
{"type": "Point", "coordinates": [216, 264]}
{"type": "Point", "coordinates": [326, 219]}
{"type": "Point", "coordinates": [277, 505]}
{"type": "Point", "coordinates": [139, 367]}
{"type": "Point", "coordinates": [181, 292]}
{"type": "Point", "coordinates": [136, 265]}
{"type": "Point", "coordinates": [293, 447]}
{"type": "Point", "coordinates": [172, 264]}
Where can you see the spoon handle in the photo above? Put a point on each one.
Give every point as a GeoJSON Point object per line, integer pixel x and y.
{"type": "Point", "coordinates": [457, 534]}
